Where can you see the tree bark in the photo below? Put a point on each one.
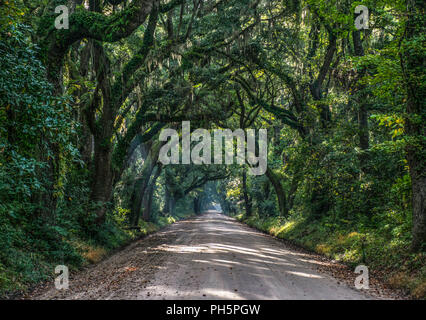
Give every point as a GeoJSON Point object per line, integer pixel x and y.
{"type": "Point", "coordinates": [90, 25]}
{"type": "Point", "coordinates": [412, 62]}
{"type": "Point", "coordinates": [363, 131]}
{"type": "Point", "coordinates": [147, 204]}
{"type": "Point", "coordinates": [172, 205]}
{"type": "Point", "coordinates": [316, 86]}
{"type": "Point", "coordinates": [166, 208]}
{"type": "Point", "coordinates": [197, 205]}
{"type": "Point", "coordinates": [141, 184]}
{"type": "Point", "coordinates": [279, 190]}
{"type": "Point", "coordinates": [102, 131]}
{"type": "Point", "coordinates": [102, 179]}
{"type": "Point", "coordinates": [247, 200]}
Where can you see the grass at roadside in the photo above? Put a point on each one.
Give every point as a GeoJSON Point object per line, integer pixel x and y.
{"type": "Point", "coordinates": [384, 252]}
{"type": "Point", "coordinates": [93, 253]}
{"type": "Point", "coordinates": [23, 264]}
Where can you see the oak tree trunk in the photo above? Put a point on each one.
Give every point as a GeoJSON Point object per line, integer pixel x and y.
{"type": "Point", "coordinates": [412, 61]}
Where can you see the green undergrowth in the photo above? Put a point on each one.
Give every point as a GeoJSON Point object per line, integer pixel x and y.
{"type": "Point", "coordinates": [30, 251]}
{"type": "Point", "coordinates": [385, 249]}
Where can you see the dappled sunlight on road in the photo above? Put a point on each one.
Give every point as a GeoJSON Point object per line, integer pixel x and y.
{"type": "Point", "coordinates": [208, 257]}
{"type": "Point", "coordinates": [303, 274]}
{"type": "Point", "coordinates": [219, 258]}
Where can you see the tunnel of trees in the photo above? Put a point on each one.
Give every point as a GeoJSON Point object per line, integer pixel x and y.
{"type": "Point", "coordinates": [81, 110]}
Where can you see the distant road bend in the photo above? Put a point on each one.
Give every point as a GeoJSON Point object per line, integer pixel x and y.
{"type": "Point", "coordinates": [209, 257]}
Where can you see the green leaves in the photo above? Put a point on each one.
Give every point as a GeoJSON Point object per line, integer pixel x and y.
{"type": "Point", "coordinates": [32, 120]}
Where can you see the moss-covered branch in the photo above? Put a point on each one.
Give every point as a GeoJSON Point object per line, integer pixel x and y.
{"type": "Point", "coordinates": [87, 24]}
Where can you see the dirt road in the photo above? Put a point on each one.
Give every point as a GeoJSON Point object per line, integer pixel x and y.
{"type": "Point", "coordinates": [208, 257]}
